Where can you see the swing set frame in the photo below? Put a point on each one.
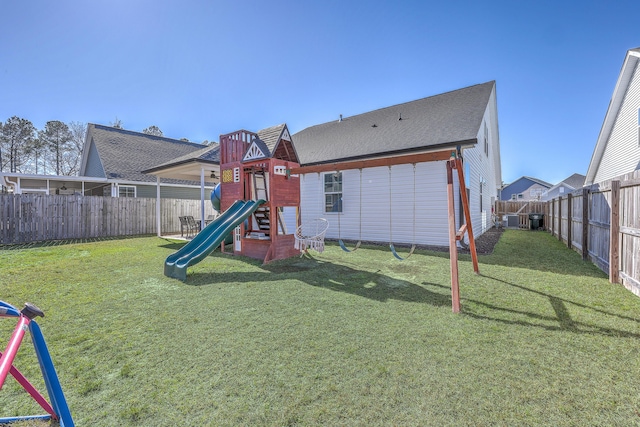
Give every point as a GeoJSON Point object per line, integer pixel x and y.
{"type": "Point", "coordinates": [453, 162]}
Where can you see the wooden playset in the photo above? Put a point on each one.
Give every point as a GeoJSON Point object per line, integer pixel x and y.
{"type": "Point", "coordinates": [255, 167]}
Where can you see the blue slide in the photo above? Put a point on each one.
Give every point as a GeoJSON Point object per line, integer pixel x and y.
{"type": "Point", "coordinates": [208, 239]}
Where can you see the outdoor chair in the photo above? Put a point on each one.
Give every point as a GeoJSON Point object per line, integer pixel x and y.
{"type": "Point", "coordinates": [184, 226]}
{"type": "Point", "coordinates": [310, 235]}
{"type": "Point", "coordinates": [193, 226]}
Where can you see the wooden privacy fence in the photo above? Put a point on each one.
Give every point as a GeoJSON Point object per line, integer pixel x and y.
{"type": "Point", "coordinates": [602, 222]}
{"type": "Point", "coordinates": [521, 209]}
{"type": "Point", "coordinates": [28, 218]}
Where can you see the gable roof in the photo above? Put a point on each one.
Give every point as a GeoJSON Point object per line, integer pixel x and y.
{"type": "Point", "coordinates": [436, 122]}
{"type": "Point", "coordinates": [520, 183]}
{"type": "Point", "coordinates": [624, 80]}
{"type": "Point", "coordinates": [275, 141]}
{"type": "Point", "coordinates": [270, 137]}
{"type": "Point", "coordinates": [125, 154]}
{"type": "Point", "coordinates": [575, 181]}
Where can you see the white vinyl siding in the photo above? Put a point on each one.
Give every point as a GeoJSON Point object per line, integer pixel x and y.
{"type": "Point", "coordinates": [622, 153]}
{"type": "Point", "coordinates": [432, 221]}
{"type": "Point", "coordinates": [430, 204]}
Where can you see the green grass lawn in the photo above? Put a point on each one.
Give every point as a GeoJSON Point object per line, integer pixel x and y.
{"type": "Point", "coordinates": [357, 339]}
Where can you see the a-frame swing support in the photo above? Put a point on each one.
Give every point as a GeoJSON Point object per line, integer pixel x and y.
{"type": "Point", "coordinates": [453, 161]}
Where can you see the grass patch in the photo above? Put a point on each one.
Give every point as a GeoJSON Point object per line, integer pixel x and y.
{"type": "Point", "coordinates": [336, 339]}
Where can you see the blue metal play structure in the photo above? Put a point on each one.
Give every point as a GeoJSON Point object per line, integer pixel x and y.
{"type": "Point", "coordinates": [57, 409]}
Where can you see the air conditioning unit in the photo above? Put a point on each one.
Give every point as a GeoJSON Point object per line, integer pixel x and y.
{"type": "Point", "coordinates": [513, 221]}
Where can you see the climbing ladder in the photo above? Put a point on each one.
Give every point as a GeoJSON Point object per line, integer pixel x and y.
{"type": "Point", "coordinates": [260, 191]}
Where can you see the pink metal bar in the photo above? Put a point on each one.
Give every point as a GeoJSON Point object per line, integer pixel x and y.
{"type": "Point", "coordinates": [24, 382]}
{"type": "Point", "coordinates": [6, 360]}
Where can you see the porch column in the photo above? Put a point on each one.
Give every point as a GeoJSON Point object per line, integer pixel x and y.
{"type": "Point", "coordinates": [202, 198]}
{"type": "Point", "coordinates": [158, 221]}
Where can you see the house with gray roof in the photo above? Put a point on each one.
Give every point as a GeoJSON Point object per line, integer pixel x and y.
{"type": "Point", "coordinates": [126, 160]}
{"type": "Point", "coordinates": [525, 189]}
{"type": "Point", "coordinates": [406, 203]}
{"type": "Point", "coordinates": [617, 150]}
{"type": "Point", "coordinates": [122, 163]}
{"type": "Point", "coordinates": [564, 187]}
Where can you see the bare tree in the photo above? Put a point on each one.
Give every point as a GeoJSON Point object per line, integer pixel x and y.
{"type": "Point", "coordinates": [57, 137]}
{"type": "Point", "coordinates": [117, 123]}
{"type": "Point", "coordinates": [74, 156]}
{"type": "Point", "coordinates": [35, 150]}
{"type": "Point", "coordinates": [153, 130]}
{"type": "Point", "coordinates": [16, 135]}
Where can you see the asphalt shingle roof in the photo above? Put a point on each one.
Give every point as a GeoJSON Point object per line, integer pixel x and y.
{"type": "Point", "coordinates": [125, 154]}
{"type": "Point", "coordinates": [442, 120]}
{"type": "Point", "coordinates": [576, 180]}
{"type": "Point", "coordinates": [208, 154]}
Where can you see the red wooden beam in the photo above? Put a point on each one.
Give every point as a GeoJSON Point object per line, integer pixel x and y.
{"type": "Point", "coordinates": [372, 163]}
{"type": "Point", "coordinates": [453, 249]}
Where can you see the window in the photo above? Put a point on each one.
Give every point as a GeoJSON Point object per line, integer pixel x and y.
{"type": "Point", "coordinates": [126, 191]}
{"type": "Point", "coordinates": [520, 196]}
{"type": "Point", "coordinates": [333, 192]}
{"type": "Point", "coordinates": [535, 193]}
{"type": "Point", "coordinates": [514, 196]}
{"type": "Point", "coordinates": [486, 139]}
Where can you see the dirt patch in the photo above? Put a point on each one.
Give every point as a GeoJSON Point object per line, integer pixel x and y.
{"type": "Point", "coordinates": [486, 242]}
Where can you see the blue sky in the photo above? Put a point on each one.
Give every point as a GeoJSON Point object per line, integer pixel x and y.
{"type": "Point", "coordinates": [197, 69]}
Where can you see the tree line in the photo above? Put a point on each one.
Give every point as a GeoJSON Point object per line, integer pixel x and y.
{"type": "Point", "coordinates": [54, 150]}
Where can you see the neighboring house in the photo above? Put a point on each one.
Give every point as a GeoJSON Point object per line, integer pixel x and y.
{"type": "Point", "coordinates": [114, 163]}
{"type": "Point", "coordinates": [380, 203]}
{"type": "Point", "coordinates": [617, 150]}
{"type": "Point", "coordinates": [524, 189]}
{"type": "Point", "coordinates": [567, 185]}
{"type": "Point", "coordinates": [124, 156]}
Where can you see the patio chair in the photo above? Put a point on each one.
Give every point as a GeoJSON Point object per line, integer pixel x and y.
{"type": "Point", "coordinates": [193, 226]}
{"type": "Point", "coordinates": [184, 226]}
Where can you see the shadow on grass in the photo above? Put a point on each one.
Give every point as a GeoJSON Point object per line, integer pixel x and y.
{"type": "Point", "coordinates": [48, 243]}
{"type": "Point", "coordinates": [336, 277]}
{"type": "Point", "coordinates": [562, 316]}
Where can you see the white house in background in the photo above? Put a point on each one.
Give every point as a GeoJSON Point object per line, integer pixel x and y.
{"type": "Point", "coordinates": [380, 203]}
{"type": "Point", "coordinates": [617, 150]}
{"type": "Point", "coordinates": [564, 187]}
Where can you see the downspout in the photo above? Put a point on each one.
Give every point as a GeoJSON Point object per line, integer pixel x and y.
{"type": "Point", "coordinates": [15, 185]}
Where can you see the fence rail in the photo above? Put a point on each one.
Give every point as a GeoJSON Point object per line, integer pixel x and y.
{"type": "Point", "coordinates": [602, 222]}
{"type": "Point", "coordinates": [28, 218]}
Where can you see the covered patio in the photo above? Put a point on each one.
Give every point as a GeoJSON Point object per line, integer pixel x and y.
{"type": "Point", "coordinates": [202, 165]}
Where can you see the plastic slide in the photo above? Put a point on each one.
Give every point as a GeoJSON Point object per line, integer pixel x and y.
{"type": "Point", "coordinates": [208, 239]}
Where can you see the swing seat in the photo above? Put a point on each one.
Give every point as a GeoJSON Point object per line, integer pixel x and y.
{"type": "Point", "coordinates": [310, 235]}
{"type": "Point", "coordinates": [344, 247]}
{"type": "Point", "coordinates": [395, 253]}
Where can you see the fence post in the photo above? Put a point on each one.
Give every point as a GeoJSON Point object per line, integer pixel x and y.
{"type": "Point", "coordinates": [569, 215]}
{"type": "Point", "coordinates": [585, 223]}
{"type": "Point", "coordinates": [560, 218]}
{"type": "Point", "coordinates": [552, 224]}
{"type": "Point", "coordinates": [614, 236]}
